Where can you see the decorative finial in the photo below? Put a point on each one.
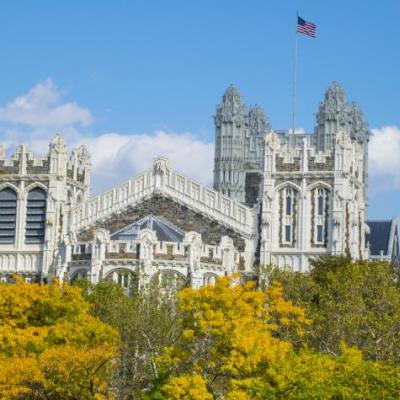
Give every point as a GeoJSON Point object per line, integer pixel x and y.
{"type": "Point", "coordinates": [58, 144]}
{"type": "Point", "coordinates": [258, 121]}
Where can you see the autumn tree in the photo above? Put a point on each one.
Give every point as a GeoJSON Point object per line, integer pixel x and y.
{"type": "Point", "coordinates": [146, 321]}
{"type": "Point", "coordinates": [309, 375]}
{"type": "Point", "coordinates": [50, 346]}
{"type": "Point", "coordinates": [236, 345]}
{"type": "Point", "coordinates": [354, 303]}
{"type": "Point", "coordinates": [228, 332]}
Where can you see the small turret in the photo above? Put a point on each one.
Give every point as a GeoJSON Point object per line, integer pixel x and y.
{"type": "Point", "coordinates": [79, 166]}
{"type": "Point", "coordinates": [258, 127]}
{"type": "Point", "coordinates": [258, 122]}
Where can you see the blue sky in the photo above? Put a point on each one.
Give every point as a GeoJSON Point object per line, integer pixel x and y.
{"type": "Point", "coordinates": [112, 73]}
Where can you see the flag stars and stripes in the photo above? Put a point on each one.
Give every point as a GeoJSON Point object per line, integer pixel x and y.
{"type": "Point", "coordinates": [308, 28]}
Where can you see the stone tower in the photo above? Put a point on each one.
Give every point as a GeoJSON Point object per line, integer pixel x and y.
{"type": "Point", "coordinates": [257, 128]}
{"type": "Point", "coordinates": [230, 124]}
{"type": "Point", "coordinates": [239, 147]}
{"type": "Point", "coordinates": [336, 114]}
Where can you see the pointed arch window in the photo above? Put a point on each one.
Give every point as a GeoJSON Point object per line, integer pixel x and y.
{"type": "Point", "coordinates": [35, 216]}
{"type": "Point", "coordinates": [320, 202]}
{"type": "Point", "coordinates": [319, 217]}
{"type": "Point", "coordinates": [288, 217]}
{"type": "Point", "coordinates": [8, 215]}
{"type": "Point", "coordinates": [288, 202]}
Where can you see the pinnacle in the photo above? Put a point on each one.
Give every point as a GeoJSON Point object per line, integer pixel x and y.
{"type": "Point", "coordinates": [232, 93]}
{"type": "Point", "coordinates": [335, 91]}
{"type": "Point", "coordinates": [256, 110]}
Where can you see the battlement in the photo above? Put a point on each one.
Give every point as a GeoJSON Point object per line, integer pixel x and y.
{"type": "Point", "coordinates": [23, 162]}
{"type": "Point", "coordinates": [162, 251]}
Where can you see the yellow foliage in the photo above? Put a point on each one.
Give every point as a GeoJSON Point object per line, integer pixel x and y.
{"type": "Point", "coordinates": [187, 387]}
{"type": "Point", "coordinates": [229, 331]}
{"type": "Point", "coordinates": [17, 376]}
{"type": "Point", "coordinates": [50, 346]}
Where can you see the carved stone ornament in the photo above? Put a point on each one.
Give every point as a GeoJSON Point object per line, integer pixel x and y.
{"type": "Point", "coordinates": [343, 139]}
{"type": "Point", "coordinates": [161, 165]}
{"type": "Point", "coordinates": [226, 242]}
{"type": "Point", "coordinates": [266, 220]}
{"type": "Point", "coordinates": [58, 145]}
{"type": "Point", "coordinates": [258, 121]}
{"type": "Point", "coordinates": [232, 108]}
{"type": "Point", "coordinates": [272, 141]}
{"type": "Point", "coordinates": [102, 235]}
{"type": "Point", "coordinates": [83, 155]}
{"type": "Point", "coordinates": [193, 238]}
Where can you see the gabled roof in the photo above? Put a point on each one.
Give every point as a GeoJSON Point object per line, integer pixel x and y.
{"type": "Point", "coordinates": [161, 179]}
{"type": "Point", "coordinates": [164, 229]}
{"type": "Point", "coordinates": [381, 236]}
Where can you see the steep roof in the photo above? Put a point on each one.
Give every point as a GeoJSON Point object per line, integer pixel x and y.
{"type": "Point", "coordinates": [164, 229]}
{"type": "Point", "coordinates": [379, 238]}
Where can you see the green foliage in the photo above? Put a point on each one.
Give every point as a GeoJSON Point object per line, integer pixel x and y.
{"type": "Point", "coordinates": [313, 376]}
{"type": "Point", "coordinates": [354, 303]}
{"type": "Point", "coordinates": [146, 321]}
{"type": "Point", "coordinates": [332, 333]}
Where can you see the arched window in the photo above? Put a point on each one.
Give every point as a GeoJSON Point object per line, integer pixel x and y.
{"type": "Point", "coordinates": [209, 279]}
{"type": "Point", "coordinates": [319, 204]}
{"type": "Point", "coordinates": [35, 216]}
{"type": "Point", "coordinates": [288, 217]}
{"type": "Point", "coordinates": [8, 215]}
{"type": "Point", "coordinates": [288, 202]}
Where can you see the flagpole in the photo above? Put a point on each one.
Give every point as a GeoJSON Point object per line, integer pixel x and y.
{"type": "Point", "coordinates": [294, 79]}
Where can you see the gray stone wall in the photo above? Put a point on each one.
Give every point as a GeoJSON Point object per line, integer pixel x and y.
{"type": "Point", "coordinates": [252, 188]}
{"type": "Point", "coordinates": [184, 218]}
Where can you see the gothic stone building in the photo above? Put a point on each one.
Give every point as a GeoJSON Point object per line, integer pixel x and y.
{"type": "Point", "coordinates": [278, 198]}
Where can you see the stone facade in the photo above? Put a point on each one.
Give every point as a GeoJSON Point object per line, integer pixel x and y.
{"type": "Point", "coordinates": [278, 199]}
{"type": "Point", "coordinates": [312, 199]}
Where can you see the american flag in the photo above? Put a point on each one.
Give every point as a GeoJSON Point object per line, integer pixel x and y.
{"type": "Point", "coordinates": [308, 28]}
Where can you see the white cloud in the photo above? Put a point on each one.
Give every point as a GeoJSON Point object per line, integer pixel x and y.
{"type": "Point", "coordinates": [384, 157]}
{"type": "Point", "coordinates": [35, 117]}
{"type": "Point", "coordinates": [42, 107]}
{"type": "Point", "coordinates": [117, 157]}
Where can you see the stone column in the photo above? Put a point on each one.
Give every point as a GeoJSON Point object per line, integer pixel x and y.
{"type": "Point", "coordinates": [101, 238]}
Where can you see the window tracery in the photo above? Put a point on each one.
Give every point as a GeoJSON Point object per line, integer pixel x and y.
{"type": "Point", "coordinates": [288, 215]}
{"type": "Point", "coordinates": [319, 216]}
{"type": "Point", "coordinates": [8, 215]}
{"type": "Point", "coordinates": [35, 216]}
